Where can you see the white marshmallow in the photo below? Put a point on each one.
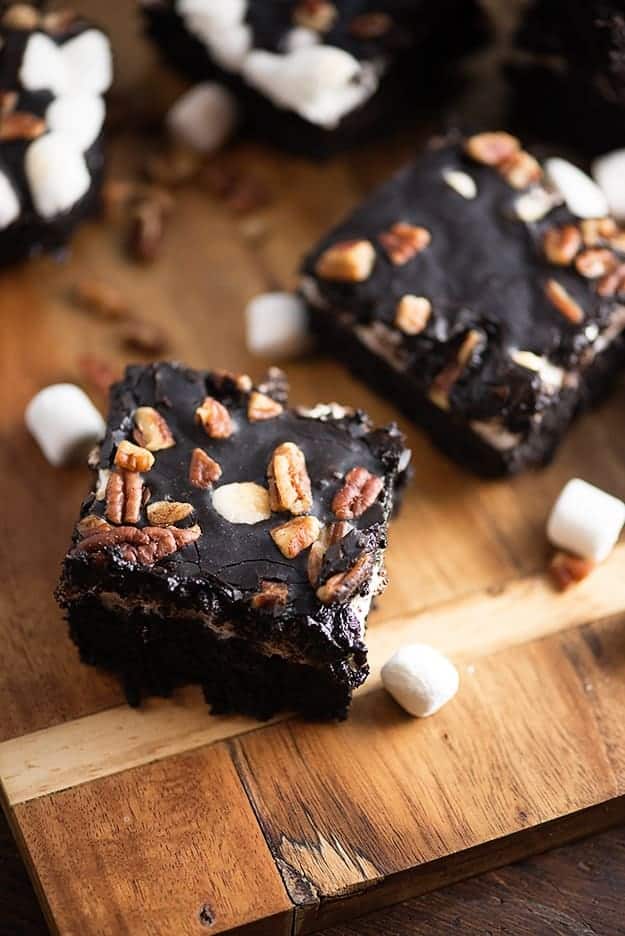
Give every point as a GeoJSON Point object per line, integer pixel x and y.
{"type": "Point", "coordinates": [219, 14]}
{"type": "Point", "coordinates": [609, 173]}
{"type": "Point", "coordinates": [9, 202]}
{"type": "Point", "coordinates": [219, 25]}
{"type": "Point", "coordinates": [64, 422]}
{"type": "Point", "coordinates": [57, 174]}
{"type": "Point", "coordinates": [276, 325]}
{"type": "Point", "coordinates": [230, 47]}
{"type": "Point", "coordinates": [420, 679]}
{"type": "Point", "coordinates": [204, 117]}
{"type": "Point", "coordinates": [299, 38]}
{"type": "Point", "coordinates": [79, 116]}
{"type": "Point", "coordinates": [583, 197]}
{"type": "Point", "coordinates": [461, 182]}
{"type": "Point", "coordinates": [43, 66]}
{"type": "Point", "coordinates": [88, 62]}
{"type": "Point", "coordinates": [585, 520]}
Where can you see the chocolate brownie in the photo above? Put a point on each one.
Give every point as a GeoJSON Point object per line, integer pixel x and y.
{"type": "Point", "coordinates": [232, 542]}
{"type": "Point", "coordinates": [314, 76]}
{"type": "Point", "coordinates": [54, 70]}
{"type": "Point", "coordinates": [468, 291]}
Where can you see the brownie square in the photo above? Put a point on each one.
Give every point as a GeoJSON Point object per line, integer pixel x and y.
{"type": "Point", "coordinates": [397, 57]}
{"type": "Point", "coordinates": [232, 542]}
{"type": "Point", "coordinates": [469, 294]}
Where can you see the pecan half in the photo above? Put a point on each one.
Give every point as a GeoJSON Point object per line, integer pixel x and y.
{"type": "Point", "coordinates": [613, 284]}
{"type": "Point", "coordinates": [561, 244]}
{"type": "Point", "coordinates": [564, 302]}
{"type": "Point", "coordinates": [124, 496]}
{"type": "Point", "coordinates": [347, 262]}
{"type": "Point", "coordinates": [344, 585]}
{"type": "Point", "coordinates": [203, 470]}
{"type": "Point", "coordinates": [166, 513]}
{"type": "Point", "coordinates": [145, 545]}
{"type": "Point", "coordinates": [595, 262]}
{"type": "Point", "coordinates": [445, 379]}
{"type": "Point", "coordinates": [566, 570]}
{"type": "Point", "coordinates": [370, 25]}
{"type": "Point", "coordinates": [596, 230]}
{"type": "Point", "coordinates": [151, 430]}
{"type": "Point", "coordinates": [133, 457]}
{"type": "Point", "coordinates": [412, 314]}
{"type": "Point", "coordinates": [491, 148]}
{"type": "Point", "coordinates": [261, 406]}
{"type": "Point", "coordinates": [215, 418]}
{"type": "Point", "coordinates": [318, 15]}
{"type": "Point", "coordinates": [288, 480]}
{"type": "Point", "coordinates": [295, 535]}
{"type": "Point", "coordinates": [101, 299]}
{"type": "Point", "coordinates": [21, 16]}
{"type": "Point", "coordinates": [520, 170]}
{"type": "Point", "coordinates": [404, 241]}
{"type": "Point", "coordinates": [359, 492]}
{"type": "Point", "coordinates": [270, 595]}
{"type": "Point", "coordinates": [91, 524]}
{"type": "Point", "coordinates": [21, 125]}
{"type": "Point", "coordinates": [328, 536]}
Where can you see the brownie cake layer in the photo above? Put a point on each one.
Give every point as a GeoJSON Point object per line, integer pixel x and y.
{"type": "Point", "coordinates": [244, 557]}
{"type": "Point", "coordinates": [469, 293]}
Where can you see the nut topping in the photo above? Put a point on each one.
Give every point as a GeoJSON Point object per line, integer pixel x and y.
{"type": "Point", "coordinates": [21, 16]}
{"type": "Point", "coordinates": [596, 230]}
{"type": "Point", "coordinates": [91, 524]}
{"type": "Point", "coordinates": [520, 170]}
{"type": "Point", "coordinates": [145, 545]}
{"type": "Point", "coordinates": [491, 148]}
{"type": "Point", "coordinates": [166, 513]}
{"type": "Point", "coordinates": [564, 302]}
{"type": "Point", "coordinates": [404, 241]}
{"type": "Point", "coordinates": [561, 244]}
{"type": "Point", "coordinates": [289, 483]}
{"type": "Point", "coordinates": [613, 284]}
{"type": "Point", "coordinates": [21, 125]}
{"type": "Point", "coordinates": [261, 406]}
{"type": "Point", "coordinates": [412, 314]}
{"type": "Point", "coordinates": [343, 586]}
{"type": "Point", "coordinates": [566, 570]}
{"type": "Point", "coordinates": [242, 382]}
{"type": "Point", "coordinates": [295, 535]}
{"type": "Point", "coordinates": [347, 262]}
{"type": "Point", "coordinates": [270, 595]}
{"type": "Point", "coordinates": [595, 262]}
{"type": "Point", "coordinates": [328, 536]}
{"type": "Point", "coordinates": [124, 496]}
{"type": "Point", "coordinates": [133, 457]}
{"type": "Point", "coordinates": [444, 381]}
{"type": "Point", "coordinates": [318, 15]}
{"type": "Point", "coordinates": [215, 418]}
{"type": "Point", "coordinates": [370, 25]}
{"type": "Point", "coordinates": [151, 430]}
{"type": "Point", "coordinates": [203, 470]}
{"type": "Point", "coordinates": [359, 492]}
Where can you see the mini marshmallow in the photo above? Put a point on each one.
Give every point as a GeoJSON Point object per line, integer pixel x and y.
{"type": "Point", "coordinates": [277, 325]}
{"type": "Point", "coordinates": [299, 38]}
{"type": "Point", "coordinates": [585, 520]}
{"type": "Point", "coordinates": [460, 182]}
{"type": "Point", "coordinates": [217, 14]}
{"type": "Point", "coordinates": [57, 174]}
{"type": "Point", "coordinates": [80, 116]}
{"type": "Point", "coordinates": [420, 679]}
{"type": "Point", "coordinates": [609, 173]}
{"type": "Point", "coordinates": [204, 117]}
{"type": "Point", "coordinates": [583, 197]}
{"type": "Point", "coordinates": [535, 204]}
{"type": "Point", "coordinates": [9, 202]}
{"type": "Point", "coordinates": [42, 65]}
{"type": "Point", "coordinates": [88, 62]}
{"type": "Point", "coordinates": [221, 27]}
{"type": "Point", "coordinates": [64, 422]}
{"type": "Point", "coordinates": [230, 47]}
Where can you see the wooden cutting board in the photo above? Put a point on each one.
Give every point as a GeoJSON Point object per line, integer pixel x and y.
{"type": "Point", "coordinates": [168, 821]}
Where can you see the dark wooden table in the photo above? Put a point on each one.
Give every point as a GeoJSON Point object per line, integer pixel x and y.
{"type": "Point", "coordinates": [578, 890]}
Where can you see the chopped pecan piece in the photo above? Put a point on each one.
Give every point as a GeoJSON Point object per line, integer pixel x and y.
{"type": "Point", "coordinates": [124, 496]}
{"type": "Point", "coordinates": [341, 587]}
{"type": "Point", "coordinates": [166, 513]}
{"type": "Point", "coordinates": [564, 302]}
{"type": "Point", "coordinates": [412, 314]}
{"type": "Point", "coordinates": [21, 16]}
{"type": "Point", "coordinates": [347, 262]}
{"type": "Point", "coordinates": [444, 381]}
{"type": "Point", "coordinates": [520, 170]}
{"type": "Point", "coordinates": [145, 545]}
{"type": "Point", "coordinates": [370, 25]}
{"type": "Point", "coordinates": [295, 535]}
{"type": "Point", "coordinates": [176, 166]}
{"type": "Point", "coordinates": [100, 298]}
{"type": "Point", "coordinates": [261, 406]}
{"type": "Point", "coordinates": [270, 595]}
{"type": "Point", "coordinates": [59, 21]}
{"type": "Point", "coordinates": [8, 102]}
{"type": "Point", "coordinates": [133, 457]}
{"type": "Point", "coordinates": [242, 382]}
{"type": "Point", "coordinates": [491, 148]}
{"type": "Point", "coordinates": [215, 418]}
{"type": "Point", "coordinates": [566, 570]}
{"type": "Point", "coordinates": [288, 480]}
{"type": "Point", "coordinates": [151, 430]}
{"type": "Point", "coordinates": [595, 262]}
{"type": "Point", "coordinates": [91, 524]}
{"type": "Point", "coordinates": [146, 337]}
{"type": "Point", "coordinates": [147, 229]}
{"type": "Point", "coordinates": [561, 244]}
{"type": "Point", "coordinates": [359, 492]}
{"type": "Point", "coordinates": [318, 15]}
{"type": "Point", "coordinates": [21, 125]}
{"type": "Point", "coordinates": [203, 470]}
{"type": "Point", "coordinates": [596, 230]}
{"type": "Point", "coordinates": [613, 284]}
{"type": "Point", "coordinates": [329, 535]}
{"type": "Point", "coordinates": [404, 241]}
